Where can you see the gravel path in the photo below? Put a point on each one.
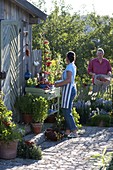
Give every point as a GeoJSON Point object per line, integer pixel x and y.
{"type": "Point", "coordinates": [68, 154]}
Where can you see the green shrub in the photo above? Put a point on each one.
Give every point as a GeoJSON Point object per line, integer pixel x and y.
{"type": "Point", "coordinates": [24, 103]}
{"type": "Point", "coordinates": [76, 117]}
{"type": "Point", "coordinates": [99, 120]}
{"type": "Point", "coordinates": [9, 131]}
{"type": "Point", "coordinates": [40, 109]}
{"type": "Point", "coordinates": [29, 150]}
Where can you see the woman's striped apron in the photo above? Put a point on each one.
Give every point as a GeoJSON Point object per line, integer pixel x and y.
{"type": "Point", "coordinates": [66, 94]}
{"type": "Point", "coordinates": [66, 90]}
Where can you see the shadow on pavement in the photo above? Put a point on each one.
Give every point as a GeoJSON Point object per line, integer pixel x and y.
{"type": "Point", "coordinates": [16, 163]}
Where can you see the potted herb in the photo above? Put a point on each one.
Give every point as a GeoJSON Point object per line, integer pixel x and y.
{"type": "Point", "coordinates": [24, 104]}
{"type": "Point", "coordinates": [10, 133]}
{"type": "Point", "coordinates": [40, 112]}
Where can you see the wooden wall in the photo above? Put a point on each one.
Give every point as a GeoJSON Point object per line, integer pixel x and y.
{"type": "Point", "coordinates": [10, 12]}
{"type": "Point", "coordinates": [13, 12]}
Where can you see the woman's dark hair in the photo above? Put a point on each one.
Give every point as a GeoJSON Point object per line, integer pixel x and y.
{"type": "Point", "coordinates": [71, 56]}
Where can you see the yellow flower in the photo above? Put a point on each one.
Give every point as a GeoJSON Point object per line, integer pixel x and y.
{"type": "Point", "coordinates": [53, 63]}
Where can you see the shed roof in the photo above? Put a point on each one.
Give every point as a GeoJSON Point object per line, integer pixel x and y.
{"type": "Point", "coordinates": [30, 8]}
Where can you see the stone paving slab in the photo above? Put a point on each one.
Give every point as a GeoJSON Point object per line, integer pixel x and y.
{"type": "Point", "coordinates": [67, 154]}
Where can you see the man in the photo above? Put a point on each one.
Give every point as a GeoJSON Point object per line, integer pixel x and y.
{"type": "Point", "coordinates": [100, 70]}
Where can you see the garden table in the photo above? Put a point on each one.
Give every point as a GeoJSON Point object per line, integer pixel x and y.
{"type": "Point", "coordinates": [49, 94]}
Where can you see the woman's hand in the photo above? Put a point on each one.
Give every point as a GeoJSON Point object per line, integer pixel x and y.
{"type": "Point", "coordinates": [66, 81]}
{"type": "Point", "coordinates": [56, 84]}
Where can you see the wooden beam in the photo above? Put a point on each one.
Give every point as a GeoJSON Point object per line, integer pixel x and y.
{"type": "Point", "coordinates": [1, 9]}
{"type": "Point", "coordinates": [34, 20]}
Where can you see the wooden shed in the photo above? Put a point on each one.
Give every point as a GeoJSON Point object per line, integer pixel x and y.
{"type": "Point", "coordinates": [16, 19]}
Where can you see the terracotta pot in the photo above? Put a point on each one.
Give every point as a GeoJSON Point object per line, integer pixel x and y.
{"type": "Point", "coordinates": [8, 150]}
{"type": "Point", "coordinates": [37, 127]}
{"type": "Point", "coordinates": [27, 118]}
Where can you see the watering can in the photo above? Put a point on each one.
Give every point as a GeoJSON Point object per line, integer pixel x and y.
{"type": "Point", "coordinates": [27, 74]}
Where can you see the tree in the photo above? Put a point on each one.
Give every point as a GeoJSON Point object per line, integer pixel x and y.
{"type": "Point", "coordinates": [82, 34]}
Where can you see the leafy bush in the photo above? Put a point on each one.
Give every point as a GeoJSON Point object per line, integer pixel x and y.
{"type": "Point", "coordinates": [29, 150]}
{"type": "Point", "coordinates": [24, 103]}
{"type": "Point", "coordinates": [99, 120]}
{"type": "Point", "coordinates": [40, 109]}
{"type": "Point", "coordinates": [9, 131]}
{"type": "Point", "coordinates": [60, 122]}
{"type": "Point", "coordinates": [76, 117]}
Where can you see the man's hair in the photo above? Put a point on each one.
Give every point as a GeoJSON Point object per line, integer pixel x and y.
{"type": "Point", "coordinates": [100, 49]}
{"type": "Point", "coordinates": [71, 56]}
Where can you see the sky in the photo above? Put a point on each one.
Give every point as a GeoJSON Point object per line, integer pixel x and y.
{"type": "Point", "coordinates": [101, 7]}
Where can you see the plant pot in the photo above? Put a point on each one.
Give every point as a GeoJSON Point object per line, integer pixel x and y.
{"type": "Point", "coordinates": [27, 118]}
{"type": "Point", "coordinates": [50, 119]}
{"type": "Point", "coordinates": [8, 150]}
{"type": "Point", "coordinates": [37, 127]}
{"type": "Point", "coordinates": [53, 135]}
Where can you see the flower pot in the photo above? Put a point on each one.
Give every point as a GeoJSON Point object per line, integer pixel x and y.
{"type": "Point", "coordinates": [37, 127]}
{"type": "Point", "coordinates": [53, 135]}
{"type": "Point", "coordinates": [27, 118]}
{"type": "Point", "coordinates": [50, 118]}
{"type": "Point", "coordinates": [8, 150]}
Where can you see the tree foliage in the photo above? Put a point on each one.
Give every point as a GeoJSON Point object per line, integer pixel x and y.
{"type": "Point", "coordinates": [82, 34]}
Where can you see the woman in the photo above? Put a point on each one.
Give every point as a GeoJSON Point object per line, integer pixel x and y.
{"type": "Point", "coordinates": [68, 93]}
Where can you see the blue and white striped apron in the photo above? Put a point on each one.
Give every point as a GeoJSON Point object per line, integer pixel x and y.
{"type": "Point", "coordinates": [66, 94]}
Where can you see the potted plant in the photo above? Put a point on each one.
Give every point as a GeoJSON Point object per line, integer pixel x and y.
{"type": "Point", "coordinates": [10, 133]}
{"type": "Point", "coordinates": [31, 82]}
{"type": "Point", "coordinates": [40, 112]}
{"type": "Point", "coordinates": [24, 104]}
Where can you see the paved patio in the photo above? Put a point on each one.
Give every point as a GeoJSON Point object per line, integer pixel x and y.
{"type": "Point", "coordinates": [67, 154]}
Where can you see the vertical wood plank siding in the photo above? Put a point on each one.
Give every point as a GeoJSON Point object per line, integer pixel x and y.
{"type": "Point", "coordinates": [13, 57]}
{"type": "Point", "coordinates": [9, 62]}
{"type": "Point", "coordinates": [14, 21]}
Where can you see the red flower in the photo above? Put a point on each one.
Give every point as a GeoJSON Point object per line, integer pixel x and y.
{"type": "Point", "coordinates": [46, 42]}
{"type": "Point", "coordinates": [45, 72]}
{"type": "Point", "coordinates": [47, 58]}
{"type": "Point", "coordinates": [48, 64]}
{"type": "Point", "coordinates": [29, 143]}
{"type": "Point", "coordinates": [6, 123]}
